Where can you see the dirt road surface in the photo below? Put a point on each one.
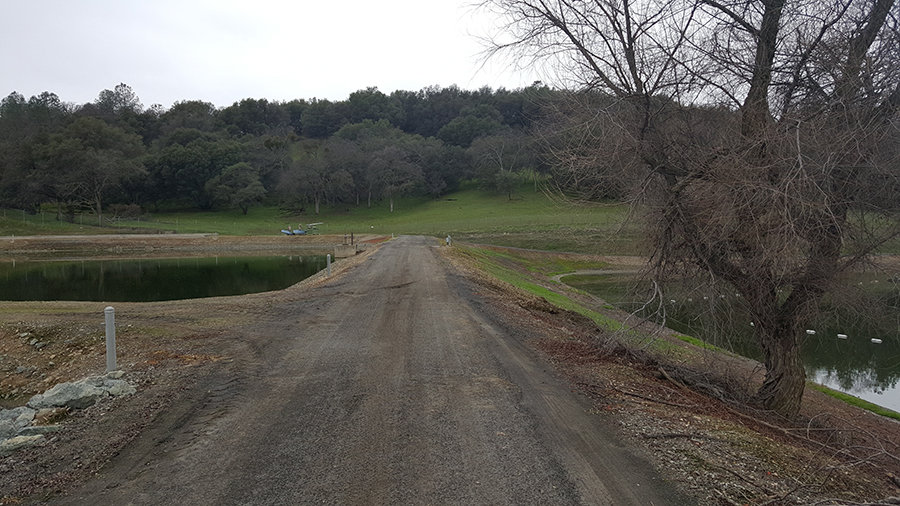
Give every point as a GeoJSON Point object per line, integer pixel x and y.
{"type": "Point", "coordinates": [386, 386]}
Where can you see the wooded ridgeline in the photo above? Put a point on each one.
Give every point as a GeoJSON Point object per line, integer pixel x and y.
{"type": "Point", "coordinates": [301, 153]}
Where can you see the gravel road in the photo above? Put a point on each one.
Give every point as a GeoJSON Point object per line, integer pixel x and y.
{"type": "Point", "coordinates": [391, 384]}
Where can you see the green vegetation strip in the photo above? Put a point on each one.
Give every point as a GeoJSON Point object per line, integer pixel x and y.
{"type": "Point", "coordinates": [856, 401]}
{"type": "Point", "coordinates": [485, 258]}
{"type": "Point", "coordinates": [697, 342]}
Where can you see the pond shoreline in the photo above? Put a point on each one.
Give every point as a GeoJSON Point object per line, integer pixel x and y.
{"type": "Point", "coordinates": [165, 245]}
{"type": "Point", "coordinates": [857, 366]}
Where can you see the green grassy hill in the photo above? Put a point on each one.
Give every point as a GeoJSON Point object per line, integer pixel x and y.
{"type": "Point", "coordinates": [530, 220]}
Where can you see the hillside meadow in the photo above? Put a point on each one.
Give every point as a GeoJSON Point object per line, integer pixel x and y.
{"type": "Point", "coordinates": [531, 219]}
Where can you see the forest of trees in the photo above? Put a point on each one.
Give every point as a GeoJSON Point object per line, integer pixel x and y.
{"type": "Point", "coordinates": [115, 154]}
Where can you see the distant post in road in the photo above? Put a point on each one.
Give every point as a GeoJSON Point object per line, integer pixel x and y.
{"type": "Point", "coordinates": [328, 264]}
{"type": "Point", "coordinates": [110, 315]}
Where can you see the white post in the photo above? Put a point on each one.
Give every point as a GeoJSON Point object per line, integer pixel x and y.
{"type": "Point", "coordinates": [328, 263]}
{"type": "Point", "coordinates": [110, 315]}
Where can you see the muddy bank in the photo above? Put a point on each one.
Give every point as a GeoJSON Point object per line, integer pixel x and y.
{"type": "Point", "coordinates": [167, 245]}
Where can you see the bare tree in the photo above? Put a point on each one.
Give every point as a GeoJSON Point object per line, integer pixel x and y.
{"type": "Point", "coordinates": [764, 131]}
{"type": "Point", "coordinates": [500, 159]}
{"type": "Point", "coordinates": [394, 172]}
{"type": "Point", "coordinates": [589, 151]}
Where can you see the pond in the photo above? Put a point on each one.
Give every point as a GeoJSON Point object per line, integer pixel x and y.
{"type": "Point", "coordinates": [853, 364]}
{"type": "Point", "coordinates": [144, 280]}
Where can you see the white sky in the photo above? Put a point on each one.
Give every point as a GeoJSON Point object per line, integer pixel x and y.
{"type": "Point", "coordinates": [222, 51]}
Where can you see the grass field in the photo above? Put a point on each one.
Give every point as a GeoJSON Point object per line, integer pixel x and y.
{"type": "Point", "coordinates": [16, 222]}
{"type": "Point", "coordinates": [530, 220]}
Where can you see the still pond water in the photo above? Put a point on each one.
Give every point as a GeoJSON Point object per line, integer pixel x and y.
{"type": "Point", "coordinates": [144, 280]}
{"type": "Point", "coordinates": [854, 365]}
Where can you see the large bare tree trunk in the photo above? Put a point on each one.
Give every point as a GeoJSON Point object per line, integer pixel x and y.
{"type": "Point", "coordinates": [779, 337]}
{"type": "Point", "coordinates": [782, 389]}
{"type": "Point", "coordinates": [755, 110]}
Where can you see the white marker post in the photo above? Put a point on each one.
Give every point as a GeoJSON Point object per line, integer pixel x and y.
{"type": "Point", "coordinates": [328, 264]}
{"type": "Point", "coordinates": [110, 315]}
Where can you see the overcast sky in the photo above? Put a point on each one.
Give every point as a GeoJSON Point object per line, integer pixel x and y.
{"type": "Point", "coordinates": [222, 50]}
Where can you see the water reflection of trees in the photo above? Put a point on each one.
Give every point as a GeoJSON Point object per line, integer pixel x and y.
{"type": "Point", "coordinates": [859, 380]}
{"type": "Point", "coordinates": [152, 279]}
{"type": "Point", "coordinates": [855, 363]}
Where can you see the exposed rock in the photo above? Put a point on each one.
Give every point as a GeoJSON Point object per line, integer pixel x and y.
{"type": "Point", "coordinates": [7, 429]}
{"type": "Point", "coordinates": [35, 430]}
{"type": "Point", "coordinates": [117, 388]}
{"type": "Point", "coordinates": [26, 425]}
{"type": "Point", "coordinates": [15, 443]}
{"type": "Point", "coordinates": [77, 395]}
{"type": "Point", "coordinates": [81, 394]}
{"type": "Point", "coordinates": [25, 416]}
{"type": "Point", "coordinates": [14, 414]}
{"type": "Point", "coordinates": [13, 420]}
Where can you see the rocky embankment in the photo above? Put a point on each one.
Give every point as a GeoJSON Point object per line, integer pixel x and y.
{"type": "Point", "coordinates": [28, 425]}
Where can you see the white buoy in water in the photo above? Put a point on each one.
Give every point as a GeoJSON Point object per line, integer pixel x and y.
{"type": "Point", "coordinates": [672, 301]}
{"type": "Point", "coordinates": [752, 325]}
{"type": "Point", "coordinates": [811, 332]}
{"type": "Point", "coordinates": [876, 341]}
{"type": "Point", "coordinates": [842, 336]}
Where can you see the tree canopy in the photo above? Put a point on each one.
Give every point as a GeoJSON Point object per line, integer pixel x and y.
{"type": "Point", "coordinates": [369, 147]}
